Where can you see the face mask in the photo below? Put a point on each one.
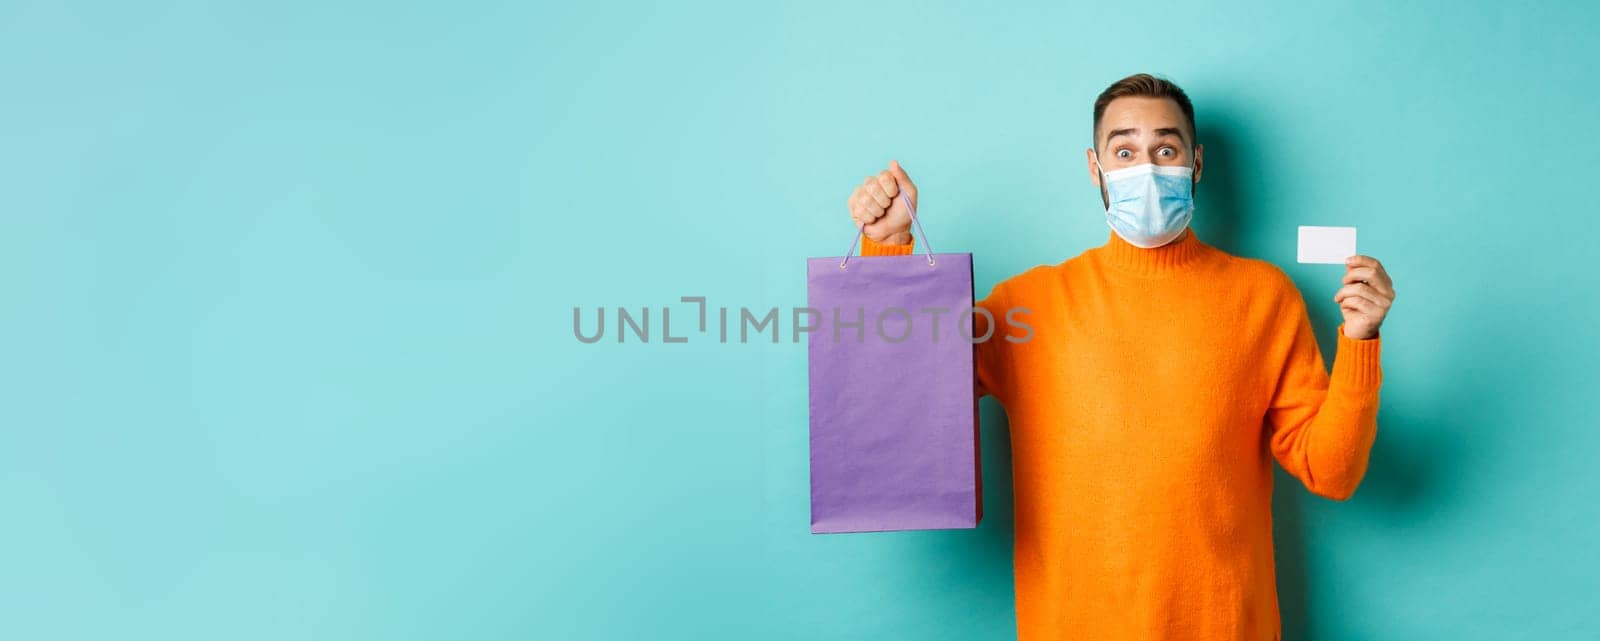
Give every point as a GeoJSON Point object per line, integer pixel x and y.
{"type": "Point", "coordinates": [1150, 205]}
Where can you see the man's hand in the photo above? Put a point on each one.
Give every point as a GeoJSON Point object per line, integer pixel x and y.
{"type": "Point", "coordinates": [1365, 298]}
{"type": "Point", "coordinates": [874, 205]}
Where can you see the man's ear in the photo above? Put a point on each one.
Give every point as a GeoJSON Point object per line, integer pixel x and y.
{"type": "Point", "coordinates": [1199, 161]}
{"type": "Point", "coordinates": [1094, 167]}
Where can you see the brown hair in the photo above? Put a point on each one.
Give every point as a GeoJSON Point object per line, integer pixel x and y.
{"type": "Point", "coordinates": [1143, 85]}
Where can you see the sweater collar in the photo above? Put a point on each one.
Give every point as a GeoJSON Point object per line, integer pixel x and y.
{"type": "Point", "coordinates": [1170, 258]}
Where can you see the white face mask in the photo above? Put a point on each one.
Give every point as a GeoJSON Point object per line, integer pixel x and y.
{"type": "Point", "coordinates": [1150, 205]}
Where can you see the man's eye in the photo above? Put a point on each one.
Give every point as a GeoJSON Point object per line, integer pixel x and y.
{"type": "Point", "coordinates": [1123, 153]}
{"type": "Point", "coordinates": [1167, 151]}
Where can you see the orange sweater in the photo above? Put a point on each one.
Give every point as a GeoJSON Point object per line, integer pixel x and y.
{"type": "Point", "coordinates": [1146, 411]}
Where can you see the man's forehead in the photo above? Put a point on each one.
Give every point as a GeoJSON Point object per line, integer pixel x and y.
{"type": "Point", "coordinates": [1143, 115]}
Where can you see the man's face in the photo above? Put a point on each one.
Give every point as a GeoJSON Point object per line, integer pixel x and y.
{"type": "Point", "coordinates": [1136, 130]}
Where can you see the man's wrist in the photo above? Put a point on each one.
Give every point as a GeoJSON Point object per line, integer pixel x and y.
{"type": "Point", "coordinates": [896, 238]}
{"type": "Point", "coordinates": [1358, 337]}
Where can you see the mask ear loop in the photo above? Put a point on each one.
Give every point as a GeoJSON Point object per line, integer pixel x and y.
{"type": "Point", "coordinates": [1105, 192]}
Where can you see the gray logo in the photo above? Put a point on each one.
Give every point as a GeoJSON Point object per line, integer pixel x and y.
{"type": "Point", "coordinates": [889, 324]}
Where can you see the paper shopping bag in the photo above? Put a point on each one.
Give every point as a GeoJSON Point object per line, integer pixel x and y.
{"type": "Point", "coordinates": [894, 432]}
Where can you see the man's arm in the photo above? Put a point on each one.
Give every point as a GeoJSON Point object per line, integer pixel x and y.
{"type": "Point", "coordinates": [1322, 426]}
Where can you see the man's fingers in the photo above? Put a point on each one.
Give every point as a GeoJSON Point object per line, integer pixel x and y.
{"type": "Point", "coordinates": [871, 210]}
{"type": "Point", "coordinates": [1356, 289]}
{"type": "Point", "coordinates": [871, 201]}
{"type": "Point", "coordinates": [1374, 276]}
{"type": "Point", "coordinates": [862, 210]}
{"type": "Point", "coordinates": [887, 183]}
{"type": "Point", "coordinates": [1358, 274]}
{"type": "Point", "coordinates": [1361, 290]}
{"type": "Point", "coordinates": [855, 207]}
{"type": "Point", "coordinates": [1361, 305]}
{"type": "Point", "coordinates": [1361, 261]}
{"type": "Point", "coordinates": [904, 179]}
{"type": "Point", "coordinates": [1371, 276]}
{"type": "Point", "coordinates": [872, 192]}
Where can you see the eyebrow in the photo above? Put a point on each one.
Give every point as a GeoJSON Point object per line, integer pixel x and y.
{"type": "Point", "coordinates": [1163, 131]}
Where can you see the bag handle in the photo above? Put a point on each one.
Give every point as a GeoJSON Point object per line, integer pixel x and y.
{"type": "Point", "coordinates": [862, 230]}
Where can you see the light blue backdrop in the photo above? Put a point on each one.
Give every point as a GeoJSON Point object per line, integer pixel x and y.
{"type": "Point", "coordinates": [287, 345]}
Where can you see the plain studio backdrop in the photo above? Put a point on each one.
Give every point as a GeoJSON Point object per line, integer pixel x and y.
{"type": "Point", "coordinates": [287, 346]}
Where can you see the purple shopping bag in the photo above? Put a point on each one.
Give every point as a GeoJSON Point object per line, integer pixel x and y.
{"type": "Point", "coordinates": [894, 436]}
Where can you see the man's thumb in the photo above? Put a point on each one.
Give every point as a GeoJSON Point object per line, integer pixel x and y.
{"type": "Point", "coordinates": [901, 177]}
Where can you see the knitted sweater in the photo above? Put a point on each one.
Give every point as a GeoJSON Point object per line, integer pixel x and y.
{"type": "Point", "coordinates": [1146, 410]}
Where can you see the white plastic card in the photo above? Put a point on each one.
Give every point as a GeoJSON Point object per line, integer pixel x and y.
{"type": "Point", "coordinates": [1329, 245]}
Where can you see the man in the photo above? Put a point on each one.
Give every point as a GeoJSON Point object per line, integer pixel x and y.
{"type": "Point", "coordinates": [1163, 378]}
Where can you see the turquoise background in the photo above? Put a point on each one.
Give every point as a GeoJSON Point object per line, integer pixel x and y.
{"type": "Point", "coordinates": [287, 346]}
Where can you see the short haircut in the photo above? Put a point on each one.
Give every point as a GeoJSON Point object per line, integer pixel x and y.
{"type": "Point", "coordinates": [1146, 86]}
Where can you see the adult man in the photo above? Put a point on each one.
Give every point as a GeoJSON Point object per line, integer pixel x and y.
{"type": "Point", "coordinates": [1163, 377]}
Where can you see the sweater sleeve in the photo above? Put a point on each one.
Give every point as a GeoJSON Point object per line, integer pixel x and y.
{"type": "Point", "coordinates": [991, 361]}
{"type": "Point", "coordinates": [870, 247]}
{"type": "Point", "coordinates": [1322, 426]}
